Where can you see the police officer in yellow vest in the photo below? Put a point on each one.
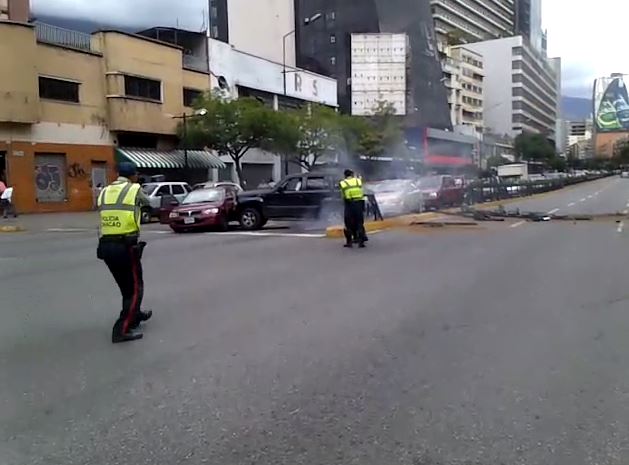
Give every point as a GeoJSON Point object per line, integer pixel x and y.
{"type": "Point", "coordinates": [353, 199]}
{"type": "Point", "coordinates": [119, 246]}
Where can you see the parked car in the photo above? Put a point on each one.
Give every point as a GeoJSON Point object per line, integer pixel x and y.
{"type": "Point", "coordinates": [211, 184]}
{"type": "Point", "coordinates": [204, 209]}
{"type": "Point", "coordinates": [155, 191]}
{"type": "Point", "coordinates": [300, 196]}
{"type": "Point", "coordinates": [397, 196]}
{"type": "Point", "coordinates": [624, 174]}
{"type": "Point", "coordinates": [441, 191]}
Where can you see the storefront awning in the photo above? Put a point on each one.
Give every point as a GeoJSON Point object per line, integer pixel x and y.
{"type": "Point", "coordinates": [174, 159]}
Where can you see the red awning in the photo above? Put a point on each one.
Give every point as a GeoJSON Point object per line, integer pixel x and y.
{"type": "Point", "coordinates": [446, 160]}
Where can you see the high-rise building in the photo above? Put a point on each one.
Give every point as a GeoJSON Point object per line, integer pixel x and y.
{"type": "Point", "coordinates": [324, 46]}
{"type": "Point", "coordinates": [473, 20]}
{"type": "Point", "coordinates": [521, 87]}
{"type": "Point", "coordinates": [464, 74]}
{"type": "Point", "coordinates": [528, 23]}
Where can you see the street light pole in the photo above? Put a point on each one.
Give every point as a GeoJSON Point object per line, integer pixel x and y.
{"type": "Point", "coordinates": [185, 142]}
{"type": "Point", "coordinates": [307, 22]}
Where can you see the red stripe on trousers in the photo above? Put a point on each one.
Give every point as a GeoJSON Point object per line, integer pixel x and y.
{"type": "Point", "coordinates": [134, 300]}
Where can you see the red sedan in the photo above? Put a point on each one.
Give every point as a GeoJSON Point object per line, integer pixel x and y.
{"type": "Point", "coordinates": [204, 209]}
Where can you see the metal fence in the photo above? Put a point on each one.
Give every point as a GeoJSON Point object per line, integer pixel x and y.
{"type": "Point", "coordinates": [488, 191]}
{"type": "Point", "coordinates": [50, 34]}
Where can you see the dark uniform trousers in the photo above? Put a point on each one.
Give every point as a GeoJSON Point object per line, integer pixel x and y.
{"type": "Point", "coordinates": [123, 258]}
{"type": "Point", "coordinates": [355, 221]}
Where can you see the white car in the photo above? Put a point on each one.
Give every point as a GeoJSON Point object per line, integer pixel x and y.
{"type": "Point", "coordinates": [624, 174]}
{"type": "Point", "coordinates": [155, 191]}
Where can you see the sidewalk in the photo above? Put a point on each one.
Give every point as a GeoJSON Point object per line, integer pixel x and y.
{"type": "Point", "coordinates": [51, 221]}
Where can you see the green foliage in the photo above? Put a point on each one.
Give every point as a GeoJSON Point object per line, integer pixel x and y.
{"type": "Point", "coordinates": [231, 127]}
{"type": "Point", "coordinates": [497, 160]}
{"type": "Point", "coordinates": [381, 133]}
{"type": "Point", "coordinates": [307, 135]}
{"type": "Point", "coordinates": [621, 154]}
{"type": "Point", "coordinates": [533, 147]}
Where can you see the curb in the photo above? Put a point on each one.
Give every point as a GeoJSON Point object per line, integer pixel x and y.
{"type": "Point", "coordinates": [335, 232]}
{"type": "Point", "coordinates": [406, 220]}
{"type": "Point", "coordinates": [11, 229]}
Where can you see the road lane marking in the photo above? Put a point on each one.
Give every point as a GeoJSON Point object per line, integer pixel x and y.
{"type": "Point", "coordinates": [582, 200]}
{"type": "Point", "coordinates": [553, 211]}
{"type": "Point", "coordinates": [68, 230]}
{"type": "Point", "coordinates": [571, 204]}
{"type": "Point", "coordinates": [624, 212]}
{"type": "Point", "coordinates": [268, 234]}
{"type": "Point", "coordinates": [518, 224]}
{"type": "Point", "coordinates": [621, 226]}
{"type": "Point", "coordinates": [590, 196]}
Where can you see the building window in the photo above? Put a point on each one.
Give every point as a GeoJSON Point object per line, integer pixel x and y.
{"type": "Point", "coordinates": [143, 88]}
{"type": "Point", "coordinates": [332, 38]}
{"type": "Point", "coordinates": [58, 89]}
{"type": "Point", "coordinates": [333, 62]}
{"type": "Point", "coordinates": [189, 96]}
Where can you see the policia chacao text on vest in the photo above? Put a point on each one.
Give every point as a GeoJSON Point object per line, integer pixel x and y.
{"type": "Point", "coordinates": [354, 206]}
{"type": "Point", "coordinates": [119, 205]}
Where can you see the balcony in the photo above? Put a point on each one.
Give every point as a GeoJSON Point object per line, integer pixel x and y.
{"type": "Point", "coordinates": [137, 115]}
{"type": "Point", "coordinates": [49, 34]}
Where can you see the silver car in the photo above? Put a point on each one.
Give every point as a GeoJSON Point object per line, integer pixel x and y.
{"type": "Point", "coordinates": [397, 196]}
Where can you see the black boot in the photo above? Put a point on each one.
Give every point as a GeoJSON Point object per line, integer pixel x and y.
{"type": "Point", "coordinates": [348, 245]}
{"type": "Point", "coordinates": [142, 316]}
{"type": "Point", "coordinates": [131, 335]}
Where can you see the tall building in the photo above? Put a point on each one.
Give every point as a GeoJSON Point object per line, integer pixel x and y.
{"type": "Point", "coordinates": [528, 23]}
{"type": "Point", "coordinates": [324, 46]}
{"type": "Point", "coordinates": [259, 27]}
{"type": "Point", "coordinates": [15, 10]}
{"type": "Point", "coordinates": [464, 75]}
{"type": "Point", "coordinates": [473, 20]}
{"type": "Point", "coordinates": [522, 87]}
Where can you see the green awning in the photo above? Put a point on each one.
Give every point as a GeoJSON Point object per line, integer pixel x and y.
{"type": "Point", "coordinates": [174, 159]}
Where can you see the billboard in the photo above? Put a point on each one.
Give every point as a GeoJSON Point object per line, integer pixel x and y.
{"type": "Point", "coordinates": [611, 104]}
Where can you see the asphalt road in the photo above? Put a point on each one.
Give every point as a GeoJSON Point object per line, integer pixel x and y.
{"type": "Point", "coordinates": [503, 344]}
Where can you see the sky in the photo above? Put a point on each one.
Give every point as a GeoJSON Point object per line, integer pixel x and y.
{"type": "Point", "coordinates": [589, 35]}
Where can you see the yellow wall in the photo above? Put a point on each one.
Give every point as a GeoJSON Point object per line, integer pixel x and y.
{"type": "Point", "coordinates": [194, 80]}
{"type": "Point", "coordinates": [19, 93]}
{"type": "Point", "coordinates": [132, 55]}
{"type": "Point", "coordinates": [85, 68]}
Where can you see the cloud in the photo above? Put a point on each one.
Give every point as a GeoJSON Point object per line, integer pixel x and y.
{"type": "Point", "coordinates": [187, 14]}
{"type": "Point", "coordinates": [589, 37]}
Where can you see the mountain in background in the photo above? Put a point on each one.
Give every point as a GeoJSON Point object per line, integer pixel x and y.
{"type": "Point", "coordinates": [576, 108]}
{"type": "Point", "coordinates": [82, 25]}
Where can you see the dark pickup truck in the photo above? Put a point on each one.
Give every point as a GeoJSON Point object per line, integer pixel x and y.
{"type": "Point", "coordinates": [299, 196]}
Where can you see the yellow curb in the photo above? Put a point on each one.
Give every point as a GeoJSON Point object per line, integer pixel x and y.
{"type": "Point", "coordinates": [10, 229]}
{"type": "Point", "coordinates": [336, 232]}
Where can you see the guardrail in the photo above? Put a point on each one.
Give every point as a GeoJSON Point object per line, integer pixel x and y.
{"type": "Point", "coordinates": [479, 192]}
{"type": "Point", "coordinates": [50, 34]}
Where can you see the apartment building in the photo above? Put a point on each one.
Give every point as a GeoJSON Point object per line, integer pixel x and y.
{"type": "Point", "coordinates": [75, 103]}
{"type": "Point", "coordinates": [464, 78]}
{"type": "Point", "coordinates": [521, 88]}
{"type": "Point", "coordinates": [528, 23]}
{"type": "Point", "coordinates": [473, 20]}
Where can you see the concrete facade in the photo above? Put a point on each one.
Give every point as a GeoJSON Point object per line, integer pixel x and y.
{"type": "Point", "coordinates": [473, 20]}
{"type": "Point", "coordinates": [521, 88]}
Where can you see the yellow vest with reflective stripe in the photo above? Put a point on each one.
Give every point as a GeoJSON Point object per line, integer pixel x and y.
{"type": "Point", "coordinates": [352, 189]}
{"type": "Point", "coordinates": [119, 212]}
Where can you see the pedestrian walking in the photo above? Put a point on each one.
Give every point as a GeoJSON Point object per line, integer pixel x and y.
{"type": "Point", "coordinates": [6, 202]}
{"type": "Point", "coordinates": [354, 214]}
{"type": "Point", "coordinates": [119, 246]}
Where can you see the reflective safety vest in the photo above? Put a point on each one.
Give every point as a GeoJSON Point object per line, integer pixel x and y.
{"type": "Point", "coordinates": [352, 189]}
{"type": "Point", "coordinates": [119, 212]}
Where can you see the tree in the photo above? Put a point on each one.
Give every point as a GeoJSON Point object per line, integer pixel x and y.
{"type": "Point", "coordinates": [497, 160]}
{"type": "Point", "coordinates": [382, 133]}
{"type": "Point", "coordinates": [231, 127]}
{"type": "Point", "coordinates": [307, 135]}
{"type": "Point", "coordinates": [533, 147]}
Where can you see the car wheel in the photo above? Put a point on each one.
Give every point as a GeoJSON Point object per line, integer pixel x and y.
{"type": "Point", "coordinates": [251, 219]}
{"type": "Point", "coordinates": [145, 216]}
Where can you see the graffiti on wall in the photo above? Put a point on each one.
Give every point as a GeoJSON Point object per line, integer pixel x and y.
{"type": "Point", "coordinates": [76, 171]}
{"type": "Point", "coordinates": [50, 178]}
